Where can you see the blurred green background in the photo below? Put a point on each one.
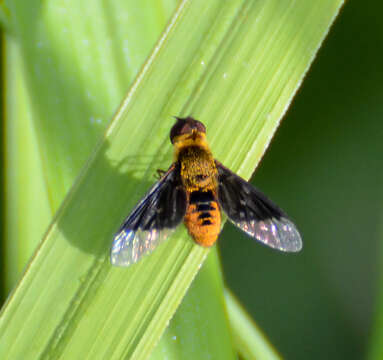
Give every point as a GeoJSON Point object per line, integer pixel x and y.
{"type": "Point", "coordinates": [324, 168]}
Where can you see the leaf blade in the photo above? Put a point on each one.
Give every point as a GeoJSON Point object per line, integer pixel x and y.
{"type": "Point", "coordinates": [78, 240]}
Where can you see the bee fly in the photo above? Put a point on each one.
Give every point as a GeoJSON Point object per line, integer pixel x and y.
{"type": "Point", "coordinates": [195, 189]}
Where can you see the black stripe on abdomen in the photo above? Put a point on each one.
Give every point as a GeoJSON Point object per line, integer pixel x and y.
{"type": "Point", "coordinates": [202, 200]}
{"type": "Point", "coordinates": [201, 197]}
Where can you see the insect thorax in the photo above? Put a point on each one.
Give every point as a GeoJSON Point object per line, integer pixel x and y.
{"type": "Point", "coordinates": [198, 170]}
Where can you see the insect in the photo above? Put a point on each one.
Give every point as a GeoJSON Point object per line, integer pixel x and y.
{"type": "Point", "coordinates": [196, 189]}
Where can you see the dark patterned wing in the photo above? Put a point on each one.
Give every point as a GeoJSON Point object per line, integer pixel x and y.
{"type": "Point", "coordinates": [254, 213]}
{"type": "Point", "coordinates": [151, 221]}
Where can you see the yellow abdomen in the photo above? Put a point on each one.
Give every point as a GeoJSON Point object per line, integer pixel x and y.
{"type": "Point", "coordinates": [203, 218]}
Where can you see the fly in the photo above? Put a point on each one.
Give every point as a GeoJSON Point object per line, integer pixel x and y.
{"type": "Point", "coordinates": [196, 189]}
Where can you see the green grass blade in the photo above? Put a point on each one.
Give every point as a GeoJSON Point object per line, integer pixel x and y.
{"type": "Point", "coordinates": [52, 39]}
{"type": "Point", "coordinates": [249, 340]}
{"type": "Point", "coordinates": [27, 209]}
{"type": "Point", "coordinates": [236, 68]}
{"type": "Point", "coordinates": [68, 66]}
{"type": "Point", "coordinates": [25, 195]}
{"type": "Point", "coordinates": [198, 328]}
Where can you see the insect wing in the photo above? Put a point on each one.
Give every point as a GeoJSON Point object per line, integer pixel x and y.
{"type": "Point", "coordinates": [254, 213]}
{"type": "Point", "coordinates": [151, 221]}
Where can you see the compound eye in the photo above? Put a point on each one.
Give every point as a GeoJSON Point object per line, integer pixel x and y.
{"type": "Point", "coordinates": [186, 126]}
{"type": "Point", "coordinates": [200, 127]}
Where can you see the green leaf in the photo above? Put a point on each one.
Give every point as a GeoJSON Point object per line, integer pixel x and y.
{"type": "Point", "coordinates": [199, 330]}
{"type": "Point", "coordinates": [68, 64]}
{"type": "Point", "coordinates": [236, 68]}
{"type": "Point", "coordinates": [249, 340]}
{"type": "Point", "coordinates": [27, 207]}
